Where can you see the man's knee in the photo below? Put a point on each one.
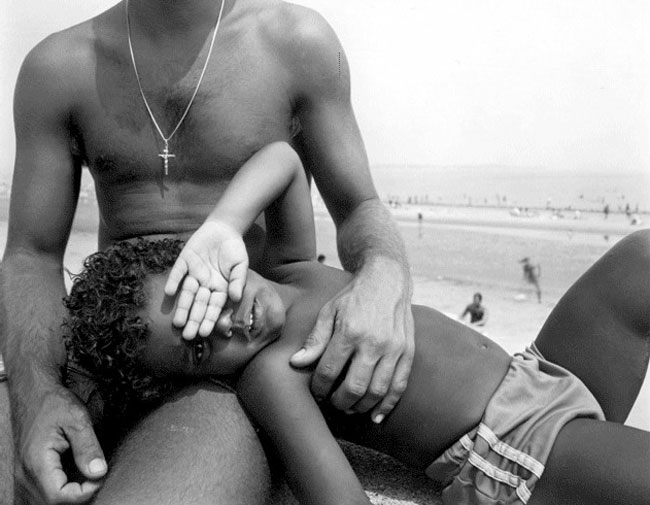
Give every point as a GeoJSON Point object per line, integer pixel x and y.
{"type": "Point", "coordinates": [197, 448]}
{"type": "Point", "coordinates": [633, 251]}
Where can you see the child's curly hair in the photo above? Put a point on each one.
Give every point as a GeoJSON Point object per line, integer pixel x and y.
{"type": "Point", "coordinates": [103, 332]}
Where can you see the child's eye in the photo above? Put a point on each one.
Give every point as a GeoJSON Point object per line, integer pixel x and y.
{"type": "Point", "coordinates": [198, 352]}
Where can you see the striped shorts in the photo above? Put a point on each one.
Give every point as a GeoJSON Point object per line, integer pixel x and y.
{"type": "Point", "coordinates": [500, 461]}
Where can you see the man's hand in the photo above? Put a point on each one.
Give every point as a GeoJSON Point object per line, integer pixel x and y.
{"type": "Point", "coordinates": [369, 325]}
{"type": "Point", "coordinates": [57, 423]}
{"type": "Point", "coordinates": [213, 263]}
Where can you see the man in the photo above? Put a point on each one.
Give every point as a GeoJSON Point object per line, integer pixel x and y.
{"type": "Point", "coordinates": [476, 310]}
{"type": "Point", "coordinates": [532, 274]}
{"type": "Point", "coordinates": [159, 165]}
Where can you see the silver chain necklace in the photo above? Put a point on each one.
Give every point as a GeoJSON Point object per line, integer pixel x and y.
{"type": "Point", "coordinates": [165, 155]}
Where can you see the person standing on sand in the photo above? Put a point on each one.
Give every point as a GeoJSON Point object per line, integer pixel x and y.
{"type": "Point", "coordinates": [532, 274]}
{"type": "Point", "coordinates": [477, 312]}
{"type": "Point", "coordinates": [163, 102]}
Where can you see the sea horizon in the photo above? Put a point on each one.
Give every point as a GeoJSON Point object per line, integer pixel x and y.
{"type": "Point", "coordinates": [512, 186]}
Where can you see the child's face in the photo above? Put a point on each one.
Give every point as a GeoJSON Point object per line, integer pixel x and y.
{"type": "Point", "coordinates": [167, 353]}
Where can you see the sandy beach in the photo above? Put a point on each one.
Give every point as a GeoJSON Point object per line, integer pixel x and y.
{"type": "Point", "coordinates": [455, 252]}
{"type": "Point", "coordinates": [458, 251]}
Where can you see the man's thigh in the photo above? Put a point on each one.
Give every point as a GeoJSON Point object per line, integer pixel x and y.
{"type": "Point", "coordinates": [6, 448]}
{"type": "Point", "coordinates": [198, 448]}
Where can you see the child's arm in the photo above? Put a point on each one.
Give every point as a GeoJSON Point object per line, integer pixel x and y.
{"type": "Point", "coordinates": [279, 400]}
{"type": "Point", "coordinates": [214, 261]}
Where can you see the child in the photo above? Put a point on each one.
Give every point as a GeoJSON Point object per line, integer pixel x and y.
{"type": "Point", "coordinates": [488, 427]}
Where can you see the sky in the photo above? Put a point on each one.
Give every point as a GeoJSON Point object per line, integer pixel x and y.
{"type": "Point", "coordinates": [549, 84]}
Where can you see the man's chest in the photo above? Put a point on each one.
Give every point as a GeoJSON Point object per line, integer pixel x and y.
{"type": "Point", "coordinates": [241, 105]}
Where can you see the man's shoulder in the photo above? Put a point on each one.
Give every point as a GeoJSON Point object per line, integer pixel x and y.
{"type": "Point", "coordinates": [295, 28]}
{"type": "Point", "coordinates": [305, 45]}
{"type": "Point", "coordinates": [66, 54]}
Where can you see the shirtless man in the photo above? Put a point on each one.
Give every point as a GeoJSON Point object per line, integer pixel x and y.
{"type": "Point", "coordinates": [273, 75]}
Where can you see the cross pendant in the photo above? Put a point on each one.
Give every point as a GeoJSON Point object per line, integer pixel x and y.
{"type": "Point", "coordinates": [165, 155]}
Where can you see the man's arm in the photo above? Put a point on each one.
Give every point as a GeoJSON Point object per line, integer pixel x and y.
{"type": "Point", "coordinates": [47, 419]}
{"type": "Point", "coordinates": [370, 321]}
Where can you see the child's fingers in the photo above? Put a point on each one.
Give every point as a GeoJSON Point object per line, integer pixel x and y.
{"type": "Point", "coordinates": [198, 267]}
{"type": "Point", "coordinates": [175, 277]}
{"type": "Point", "coordinates": [215, 304]}
{"type": "Point", "coordinates": [197, 313]}
{"type": "Point", "coordinates": [237, 281]}
{"type": "Point", "coordinates": [185, 300]}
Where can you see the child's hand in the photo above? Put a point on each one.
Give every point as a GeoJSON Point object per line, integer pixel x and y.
{"type": "Point", "coordinates": [214, 263]}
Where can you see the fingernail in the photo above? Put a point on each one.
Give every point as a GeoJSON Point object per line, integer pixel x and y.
{"type": "Point", "coordinates": [378, 418]}
{"type": "Point", "coordinates": [300, 353]}
{"type": "Point", "coordinates": [97, 466]}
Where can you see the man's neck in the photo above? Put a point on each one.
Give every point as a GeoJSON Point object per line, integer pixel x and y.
{"type": "Point", "coordinates": [173, 18]}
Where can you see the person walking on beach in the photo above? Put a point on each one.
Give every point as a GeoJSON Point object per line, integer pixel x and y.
{"type": "Point", "coordinates": [477, 311]}
{"type": "Point", "coordinates": [532, 274]}
{"type": "Point", "coordinates": [163, 102]}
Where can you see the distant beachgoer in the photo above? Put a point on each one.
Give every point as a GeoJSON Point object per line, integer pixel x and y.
{"type": "Point", "coordinates": [606, 210]}
{"type": "Point", "coordinates": [532, 273]}
{"type": "Point", "coordinates": [321, 258]}
{"type": "Point", "coordinates": [420, 219]}
{"type": "Point", "coordinates": [477, 312]}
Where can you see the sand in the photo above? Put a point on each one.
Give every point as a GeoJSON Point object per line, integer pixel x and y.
{"type": "Point", "coordinates": [455, 252]}
{"type": "Point", "coordinates": [459, 251]}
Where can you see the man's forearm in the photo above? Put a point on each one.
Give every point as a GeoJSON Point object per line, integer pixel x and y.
{"type": "Point", "coordinates": [370, 236]}
{"type": "Point", "coordinates": [33, 351]}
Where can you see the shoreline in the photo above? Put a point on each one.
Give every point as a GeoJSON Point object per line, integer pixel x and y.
{"type": "Point", "coordinates": [617, 224]}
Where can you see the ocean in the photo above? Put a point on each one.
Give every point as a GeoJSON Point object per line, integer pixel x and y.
{"type": "Point", "coordinates": [523, 187]}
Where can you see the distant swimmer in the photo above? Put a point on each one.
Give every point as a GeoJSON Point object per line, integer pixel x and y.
{"type": "Point", "coordinates": [478, 314]}
{"type": "Point", "coordinates": [532, 273]}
